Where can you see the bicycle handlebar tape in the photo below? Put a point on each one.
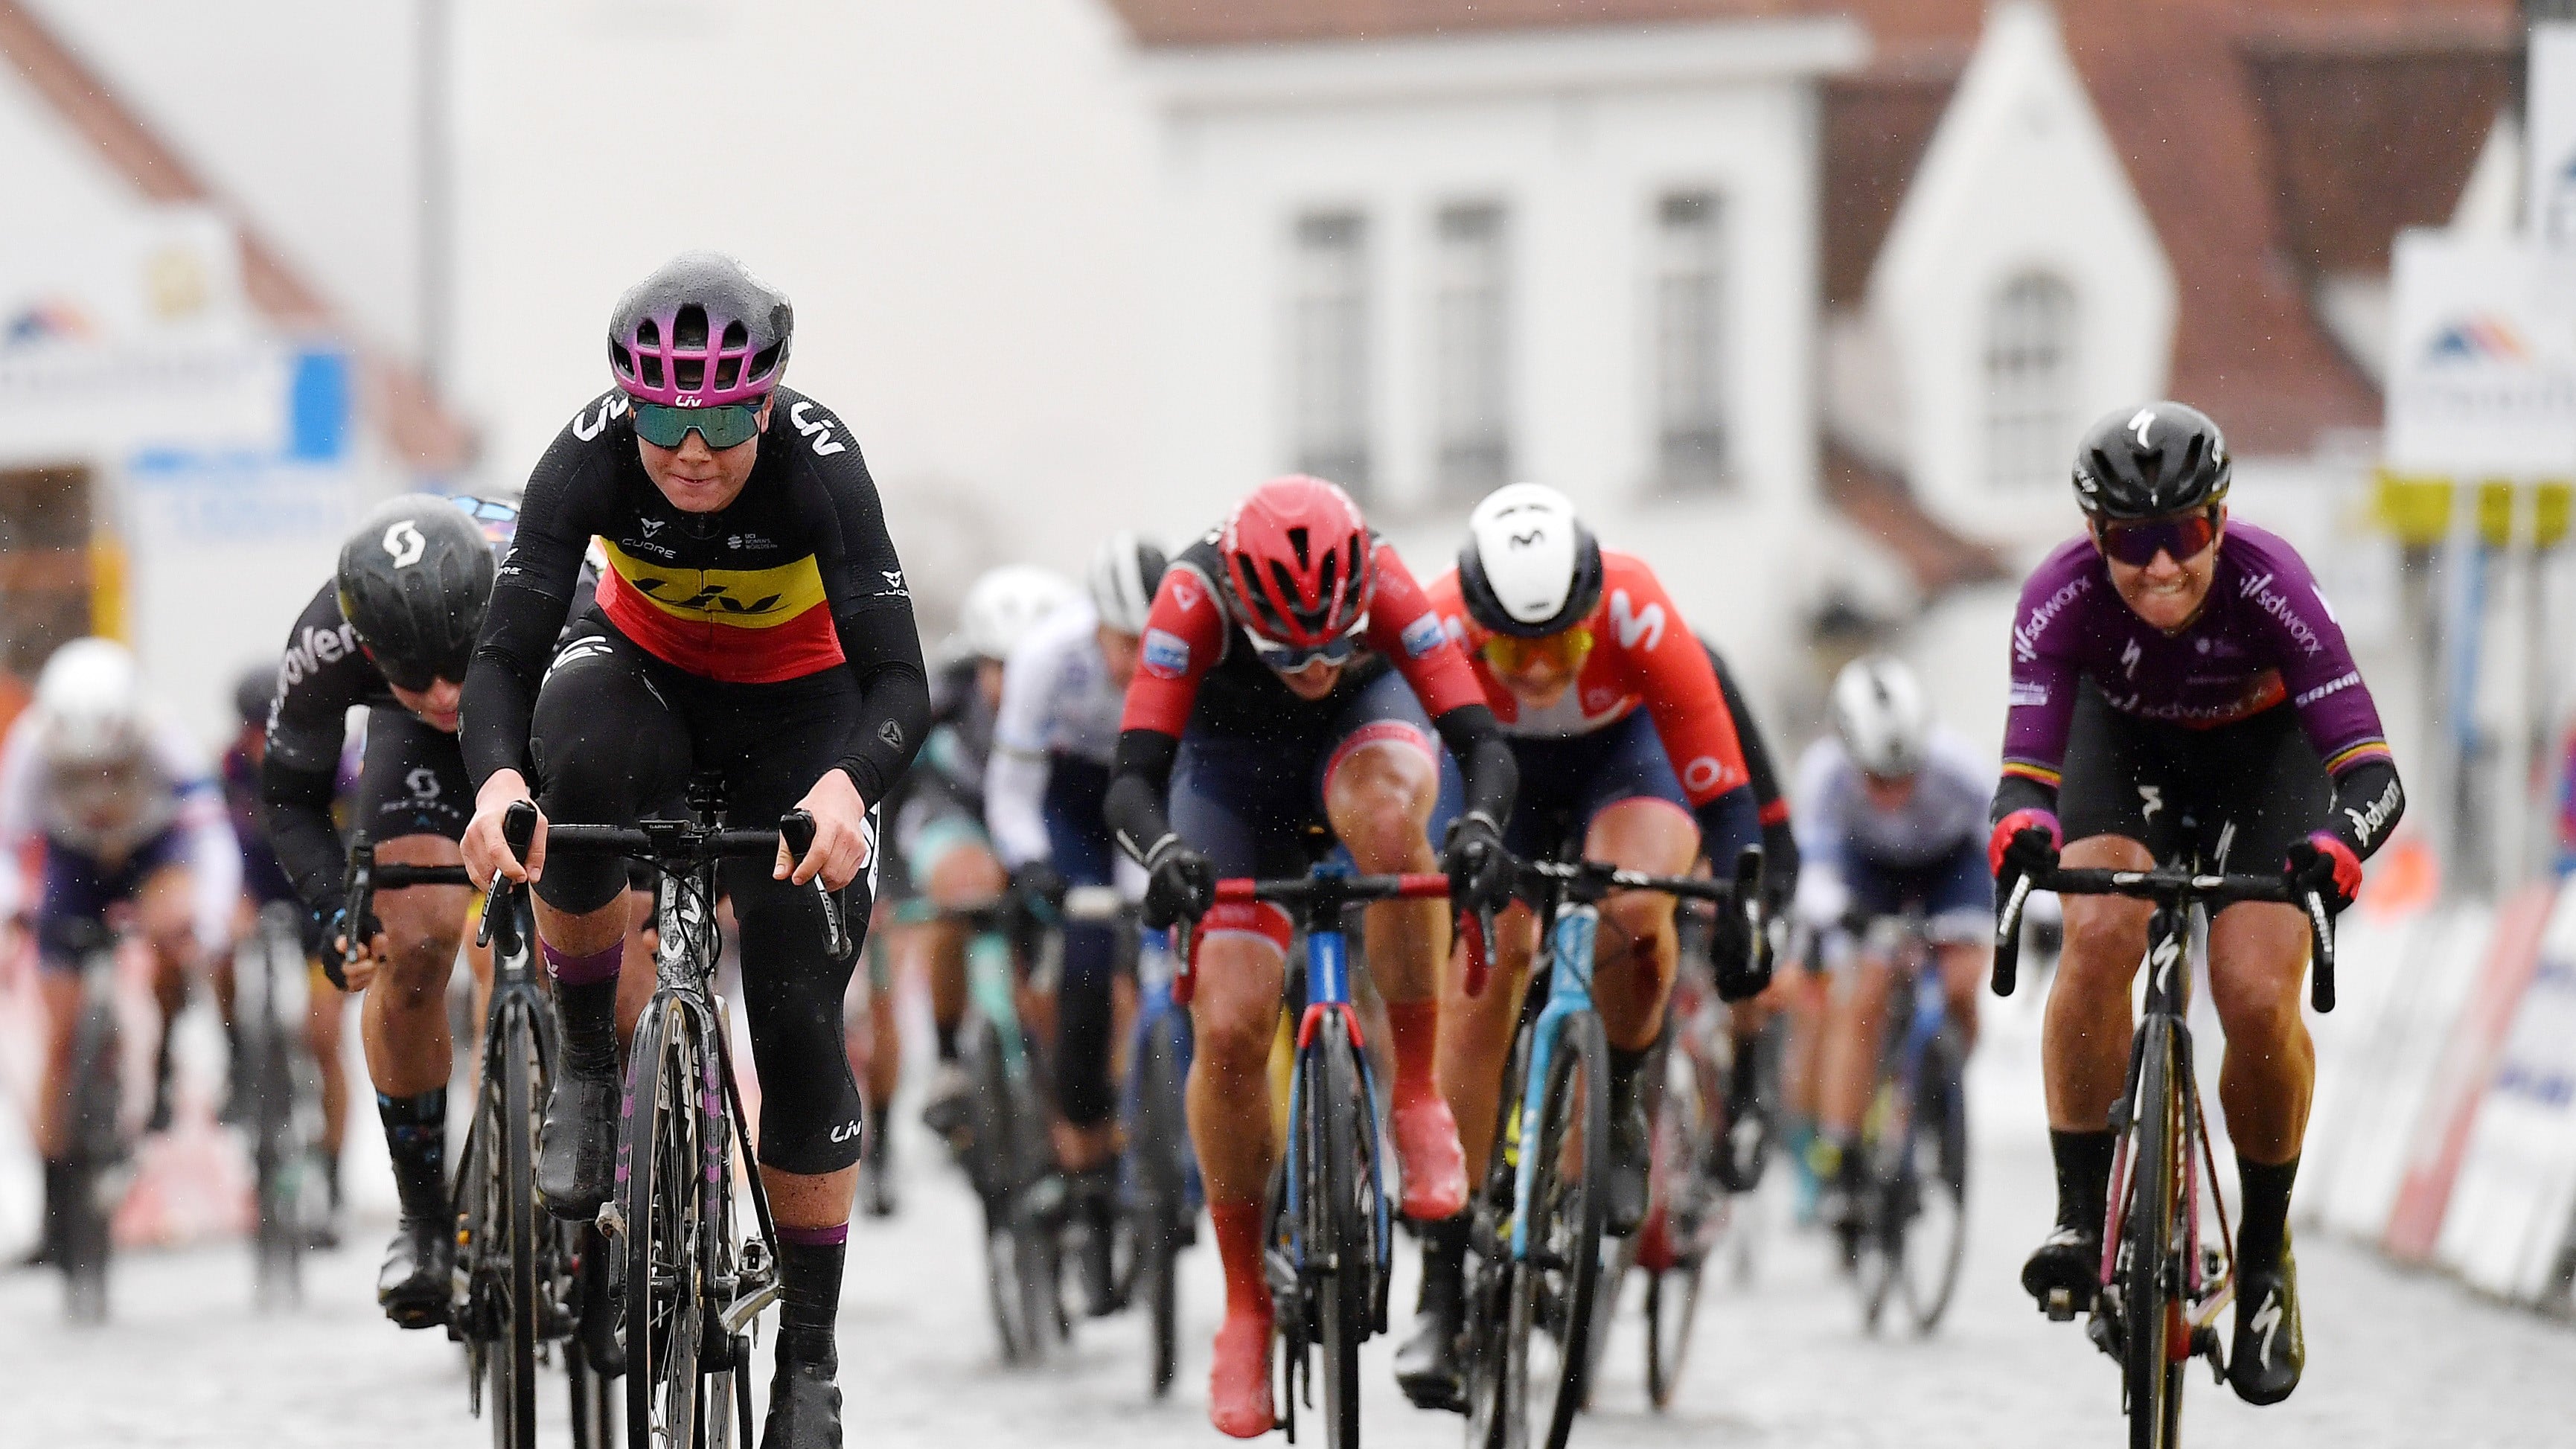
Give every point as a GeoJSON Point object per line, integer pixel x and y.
{"type": "Point", "coordinates": [2321, 977]}
{"type": "Point", "coordinates": [1185, 948]}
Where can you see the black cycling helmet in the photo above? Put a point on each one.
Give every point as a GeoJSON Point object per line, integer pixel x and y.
{"type": "Point", "coordinates": [1529, 567]}
{"type": "Point", "coordinates": [414, 581]}
{"type": "Point", "coordinates": [2149, 461]}
{"type": "Point", "coordinates": [253, 693]}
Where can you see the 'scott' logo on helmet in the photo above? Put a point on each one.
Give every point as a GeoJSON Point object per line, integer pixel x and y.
{"type": "Point", "coordinates": [404, 545]}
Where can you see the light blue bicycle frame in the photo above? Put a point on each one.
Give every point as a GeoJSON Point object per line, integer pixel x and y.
{"type": "Point", "coordinates": [1569, 990]}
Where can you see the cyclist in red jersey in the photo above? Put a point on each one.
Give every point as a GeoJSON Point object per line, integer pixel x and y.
{"type": "Point", "coordinates": [1292, 675]}
{"type": "Point", "coordinates": [1621, 732]}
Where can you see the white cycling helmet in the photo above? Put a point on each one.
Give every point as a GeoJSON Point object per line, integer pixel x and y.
{"type": "Point", "coordinates": [1004, 603]}
{"type": "Point", "coordinates": [1124, 575]}
{"type": "Point", "coordinates": [1529, 567]}
{"type": "Point", "coordinates": [1881, 714]}
{"type": "Point", "coordinates": [90, 696]}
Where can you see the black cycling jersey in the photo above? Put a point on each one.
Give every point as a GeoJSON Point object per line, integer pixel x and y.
{"type": "Point", "coordinates": [323, 675]}
{"type": "Point", "coordinates": [796, 576]}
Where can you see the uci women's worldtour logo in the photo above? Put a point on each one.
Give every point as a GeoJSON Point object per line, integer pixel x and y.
{"type": "Point", "coordinates": [1167, 655]}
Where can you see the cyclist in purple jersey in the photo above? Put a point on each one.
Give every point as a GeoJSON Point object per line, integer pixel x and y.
{"type": "Point", "coordinates": [2180, 688]}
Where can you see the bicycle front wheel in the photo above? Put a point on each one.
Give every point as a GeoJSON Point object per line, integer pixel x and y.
{"type": "Point", "coordinates": [663, 1201]}
{"type": "Point", "coordinates": [1340, 1226]}
{"type": "Point", "coordinates": [91, 1131]}
{"type": "Point", "coordinates": [2153, 1335]}
{"type": "Point", "coordinates": [508, 1266]}
{"type": "Point", "coordinates": [1548, 1338]}
{"type": "Point", "coordinates": [277, 1162]}
{"type": "Point", "coordinates": [1931, 1196]}
{"type": "Point", "coordinates": [1159, 1183]}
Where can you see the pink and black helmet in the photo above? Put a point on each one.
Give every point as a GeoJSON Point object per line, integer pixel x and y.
{"type": "Point", "coordinates": [699, 332]}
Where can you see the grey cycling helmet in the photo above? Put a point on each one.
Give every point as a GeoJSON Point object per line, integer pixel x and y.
{"type": "Point", "coordinates": [414, 581]}
{"type": "Point", "coordinates": [1124, 575]}
{"type": "Point", "coordinates": [2149, 461]}
{"type": "Point", "coordinates": [699, 332]}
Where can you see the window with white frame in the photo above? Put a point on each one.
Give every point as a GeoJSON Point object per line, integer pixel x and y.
{"type": "Point", "coordinates": [1328, 330]}
{"type": "Point", "coordinates": [2030, 382]}
{"type": "Point", "coordinates": [1689, 320]}
{"type": "Point", "coordinates": [1471, 348]}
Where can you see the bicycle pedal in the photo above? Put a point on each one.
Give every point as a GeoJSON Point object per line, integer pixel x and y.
{"type": "Point", "coordinates": [2060, 1306]}
{"type": "Point", "coordinates": [611, 1222]}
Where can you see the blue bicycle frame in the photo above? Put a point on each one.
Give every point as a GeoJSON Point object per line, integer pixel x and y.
{"type": "Point", "coordinates": [1569, 961]}
{"type": "Point", "coordinates": [1328, 1008]}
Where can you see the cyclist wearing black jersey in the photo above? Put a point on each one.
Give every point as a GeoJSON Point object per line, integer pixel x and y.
{"type": "Point", "coordinates": [389, 632]}
{"type": "Point", "coordinates": [752, 620]}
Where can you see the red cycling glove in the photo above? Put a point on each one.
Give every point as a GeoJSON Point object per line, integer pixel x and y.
{"type": "Point", "coordinates": [2008, 850]}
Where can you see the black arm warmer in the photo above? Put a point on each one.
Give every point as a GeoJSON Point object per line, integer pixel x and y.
{"type": "Point", "coordinates": [2369, 801]}
{"type": "Point", "coordinates": [1137, 785]}
{"type": "Point", "coordinates": [1748, 734]}
{"type": "Point", "coordinates": [1484, 757]}
{"type": "Point", "coordinates": [884, 652]}
{"type": "Point", "coordinates": [2020, 792]}
{"type": "Point", "coordinates": [300, 829]}
{"type": "Point", "coordinates": [519, 632]}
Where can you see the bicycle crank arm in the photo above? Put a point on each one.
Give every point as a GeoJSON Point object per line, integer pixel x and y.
{"type": "Point", "coordinates": [738, 1314]}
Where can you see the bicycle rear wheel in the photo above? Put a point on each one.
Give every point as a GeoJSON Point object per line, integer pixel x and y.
{"type": "Point", "coordinates": [1006, 1158]}
{"type": "Point", "coordinates": [592, 1357]}
{"type": "Point", "coordinates": [1933, 1193]}
{"type": "Point", "coordinates": [663, 1154]}
{"type": "Point", "coordinates": [1489, 1260]}
{"type": "Point", "coordinates": [1548, 1337]}
{"type": "Point", "coordinates": [1340, 1209]}
{"type": "Point", "coordinates": [91, 1135]}
{"type": "Point", "coordinates": [2150, 1310]}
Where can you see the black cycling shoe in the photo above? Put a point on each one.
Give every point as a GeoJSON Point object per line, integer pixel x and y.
{"type": "Point", "coordinates": [1737, 1156]}
{"type": "Point", "coordinates": [1094, 1211]}
{"type": "Point", "coordinates": [577, 1146]}
{"type": "Point", "coordinates": [412, 1287]}
{"type": "Point", "coordinates": [2065, 1275]}
{"type": "Point", "coordinates": [2264, 1363]}
{"type": "Point", "coordinates": [1632, 1139]}
{"type": "Point", "coordinates": [804, 1407]}
{"type": "Point", "coordinates": [1427, 1366]}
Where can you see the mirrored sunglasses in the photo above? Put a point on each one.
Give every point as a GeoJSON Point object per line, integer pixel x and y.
{"type": "Point", "coordinates": [728, 425]}
{"type": "Point", "coordinates": [2137, 543]}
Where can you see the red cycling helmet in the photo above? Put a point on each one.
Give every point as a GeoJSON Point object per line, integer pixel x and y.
{"type": "Point", "coordinates": [1298, 562]}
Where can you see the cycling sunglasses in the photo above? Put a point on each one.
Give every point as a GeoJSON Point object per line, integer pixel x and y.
{"type": "Point", "coordinates": [1566, 649]}
{"type": "Point", "coordinates": [1289, 658]}
{"type": "Point", "coordinates": [415, 677]}
{"type": "Point", "coordinates": [727, 425]}
{"type": "Point", "coordinates": [2137, 543]}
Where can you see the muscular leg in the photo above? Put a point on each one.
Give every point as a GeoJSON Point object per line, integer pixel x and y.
{"type": "Point", "coordinates": [2258, 956]}
{"type": "Point", "coordinates": [1476, 1032]}
{"type": "Point", "coordinates": [403, 1021]}
{"type": "Point", "coordinates": [1963, 978]}
{"type": "Point", "coordinates": [1633, 959]}
{"type": "Point", "coordinates": [1379, 799]}
{"type": "Point", "coordinates": [2084, 1040]}
{"type": "Point", "coordinates": [1855, 1024]}
{"type": "Point", "coordinates": [166, 917]}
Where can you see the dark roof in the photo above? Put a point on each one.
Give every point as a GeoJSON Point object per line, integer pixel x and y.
{"type": "Point", "coordinates": [396, 397]}
{"type": "Point", "coordinates": [1249, 22]}
{"type": "Point", "coordinates": [1878, 503]}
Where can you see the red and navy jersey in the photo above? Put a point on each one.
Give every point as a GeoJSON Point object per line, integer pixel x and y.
{"type": "Point", "coordinates": [1200, 672]}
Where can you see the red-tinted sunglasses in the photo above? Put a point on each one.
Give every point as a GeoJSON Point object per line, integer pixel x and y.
{"type": "Point", "coordinates": [2137, 543]}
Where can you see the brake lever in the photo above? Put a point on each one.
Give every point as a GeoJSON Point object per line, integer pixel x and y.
{"type": "Point", "coordinates": [1476, 929]}
{"type": "Point", "coordinates": [358, 889]}
{"type": "Point", "coordinates": [796, 828]}
{"type": "Point", "coordinates": [2321, 980]}
{"type": "Point", "coordinates": [1185, 963]}
{"type": "Point", "coordinates": [2008, 936]}
{"type": "Point", "coordinates": [519, 832]}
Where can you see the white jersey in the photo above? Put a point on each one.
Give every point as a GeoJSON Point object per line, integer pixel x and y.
{"type": "Point", "coordinates": [108, 812]}
{"type": "Point", "coordinates": [1057, 699]}
{"type": "Point", "coordinates": [1838, 829]}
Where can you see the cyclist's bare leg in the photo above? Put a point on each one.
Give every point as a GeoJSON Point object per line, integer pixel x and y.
{"type": "Point", "coordinates": [165, 915]}
{"type": "Point", "coordinates": [1476, 1033]}
{"type": "Point", "coordinates": [1963, 977]}
{"type": "Point", "coordinates": [1855, 1024]}
{"type": "Point", "coordinates": [811, 1201]}
{"type": "Point", "coordinates": [2084, 1040]}
{"type": "Point", "coordinates": [2258, 954]}
{"type": "Point", "coordinates": [403, 1021]}
{"type": "Point", "coordinates": [1632, 969]}
{"type": "Point", "coordinates": [1379, 798]}
{"type": "Point", "coordinates": [1235, 1013]}
{"type": "Point", "coordinates": [61, 993]}
{"type": "Point", "coordinates": [325, 1035]}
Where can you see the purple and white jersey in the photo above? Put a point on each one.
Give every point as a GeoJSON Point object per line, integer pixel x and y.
{"type": "Point", "coordinates": [2265, 635]}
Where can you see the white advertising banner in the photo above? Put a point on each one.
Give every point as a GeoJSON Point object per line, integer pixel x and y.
{"type": "Point", "coordinates": [72, 401]}
{"type": "Point", "coordinates": [2510, 1211]}
{"type": "Point", "coordinates": [2481, 377]}
{"type": "Point", "coordinates": [2549, 161]}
